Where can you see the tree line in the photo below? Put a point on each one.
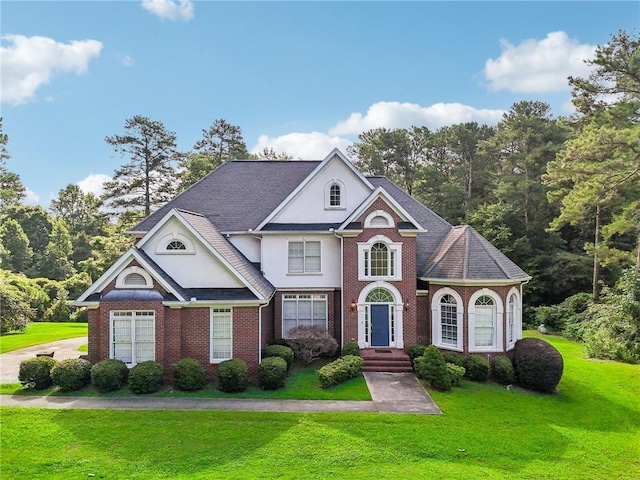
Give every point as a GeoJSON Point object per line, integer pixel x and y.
{"type": "Point", "coordinates": [559, 195]}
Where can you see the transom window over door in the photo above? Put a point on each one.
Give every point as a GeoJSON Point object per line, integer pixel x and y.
{"type": "Point", "coordinates": [304, 257]}
{"type": "Point", "coordinates": [133, 336]}
{"type": "Point", "coordinates": [303, 310]}
{"type": "Point", "coordinates": [485, 322]}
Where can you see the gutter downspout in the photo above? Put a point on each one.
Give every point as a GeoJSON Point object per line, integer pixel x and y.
{"type": "Point", "coordinates": [341, 288]}
{"type": "Point", "coordinates": [260, 326]}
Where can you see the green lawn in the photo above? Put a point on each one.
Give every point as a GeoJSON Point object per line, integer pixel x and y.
{"type": "Point", "coordinates": [589, 430]}
{"type": "Point", "coordinates": [41, 332]}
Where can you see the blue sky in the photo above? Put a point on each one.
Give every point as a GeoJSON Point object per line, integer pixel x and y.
{"type": "Point", "coordinates": [301, 77]}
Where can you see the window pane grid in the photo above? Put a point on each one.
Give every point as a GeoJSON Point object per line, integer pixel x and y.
{"type": "Point", "coordinates": [133, 336]}
{"type": "Point", "coordinates": [304, 257]}
{"type": "Point", "coordinates": [379, 260]}
{"type": "Point", "coordinates": [334, 196]}
{"type": "Point", "coordinates": [303, 310]}
{"type": "Point", "coordinates": [221, 328]}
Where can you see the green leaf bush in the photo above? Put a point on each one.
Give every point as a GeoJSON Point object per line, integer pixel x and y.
{"type": "Point", "coordinates": [415, 351]}
{"type": "Point", "coordinates": [189, 375]}
{"type": "Point", "coordinates": [272, 373]}
{"type": "Point", "coordinates": [71, 374]}
{"type": "Point", "coordinates": [233, 375]}
{"type": "Point", "coordinates": [538, 365]}
{"type": "Point", "coordinates": [432, 368]}
{"type": "Point", "coordinates": [477, 368]}
{"type": "Point", "coordinates": [502, 370]}
{"type": "Point", "coordinates": [350, 348]}
{"type": "Point", "coordinates": [146, 377]}
{"type": "Point", "coordinates": [453, 357]}
{"type": "Point", "coordinates": [109, 375]}
{"type": "Point", "coordinates": [340, 370]}
{"type": "Point", "coordinates": [280, 351]}
{"type": "Point", "coordinates": [36, 372]}
{"type": "Point", "coordinates": [456, 373]}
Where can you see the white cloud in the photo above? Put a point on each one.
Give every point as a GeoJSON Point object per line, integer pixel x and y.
{"type": "Point", "coordinates": [127, 61]}
{"type": "Point", "coordinates": [405, 115]}
{"type": "Point", "coordinates": [30, 197]}
{"type": "Point", "coordinates": [94, 183]}
{"type": "Point", "coordinates": [29, 62]}
{"type": "Point", "coordinates": [538, 65]}
{"type": "Point", "coordinates": [314, 145]}
{"type": "Point", "coordinates": [174, 10]}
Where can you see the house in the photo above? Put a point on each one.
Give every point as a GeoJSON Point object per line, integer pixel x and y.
{"type": "Point", "coordinates": [258, 247]}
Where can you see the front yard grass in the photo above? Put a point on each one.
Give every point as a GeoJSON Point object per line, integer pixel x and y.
{"type": "Point", "coordinates": [589, 430]}
{"type": "Point", "coordinates": [41, 332]}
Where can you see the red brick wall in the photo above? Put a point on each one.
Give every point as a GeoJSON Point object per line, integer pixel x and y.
{"type": "Point", "coordinates": [423, 319]}
{"type": "Point", "coordinates": [353, 286]}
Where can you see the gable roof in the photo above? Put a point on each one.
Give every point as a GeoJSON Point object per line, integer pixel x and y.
{"type": "Point", "coordinates": [238, 195]}
{"type": "Point", "coordinates": [465, 255]}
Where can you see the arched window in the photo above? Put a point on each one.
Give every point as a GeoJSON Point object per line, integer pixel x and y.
{"type": "Point", "coordinates": [378, 219]}
{"type": "Point", "coordinates": [514, 321]}
{"type": "Point", "coordinates": [486, 321]}
{"type": "Point", "coordinates": [335, 199]}
{"type": "Point", "coordinates": [446, 313]}
{"type": "Point", "coordinates": [134, 280]}
{"type": "Point", "coordinates": [380, 295]}
{"type": "Point", "coordinates": [176, 245]}
{"type": "Point", "coordinates": [134, 277]}
{"type": "Point", "coordinates": [378, 258]}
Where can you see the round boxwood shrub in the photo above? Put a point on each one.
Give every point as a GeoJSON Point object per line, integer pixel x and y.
{"type": "Point", "coordinates": [432, 367]}
{"type": "Point", "coordinates": [477, 368]}
{"type": "Point", "coordinates": [456, 373]}
{"type": "Point", "coordinates": [453, 357]}
{"type": "Point", "coordinates": [188, 375]}
{"type": "Point", "coordinates": [280, 351]}
{"type": "Point", "coordinates": [502, 370]}
{"type": "Point", "coordinates": [272, 373]}
{"type": "Point", "coordinates": [71, 374]}
{"type": "Point", "coordinates": [415, 351]}
{"type": "Point", "coordinates": [350, 348]}
{"type": "Point", "coordinates": [145, 377]}
{"type": "Point", "coordinates": [537, 364]}
{"type": "Point", "coordinates": [36, 372]}
{"type": "Point", "coordinates": [109, 375]}
{"type": "Point", "coordinates": [233, 375]}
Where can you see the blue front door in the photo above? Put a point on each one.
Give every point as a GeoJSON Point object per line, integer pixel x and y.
{"type": "Point", "coordinates": [379, 325]}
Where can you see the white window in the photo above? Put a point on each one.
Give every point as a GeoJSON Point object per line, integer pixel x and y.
{"type": "Point", "coordinates": [221, 334]}
{"type": "Point", "coordinates": [299, 310]}
{"type": "Point", "coordinates": [486, 322]}
{"type": "Point", "coordinates": [176, 245]}
{"type": "Point", "coordinates": [134, 277]}
{"type": "Point", "coordinates": [379, 219]}
{"type": "Point", "coordinates": [132, 336]}
{"type": "Point", "coordinates": [514, 321]}
{"type": "Point", "coordinates": [335, 199]}
{"type": "Point", "coordinates": [379, 259]}
{"type": "Point", "coordinates": [334, 195]}
{"type": "Point", "coordinates": [304, 257]}
{"type": "Point", "coordinates": [446, 313]}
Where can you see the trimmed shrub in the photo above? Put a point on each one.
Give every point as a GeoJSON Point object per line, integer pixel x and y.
{"type": "Point", "coordinates": [311, 343]}
{"type": "Point", "coordinates": [189, 375]}
{"type": "Point", "coordinates": [145, 377]}
{"type": "Point", "coordinates": [477, 368]}
{"type": "Point", "coordinates": [453, 357]}
{"type": "Point", "coordinates": [109, 375]}
{"type": "Point", "coordinates": [71, 374]}
{"type": "Point", "coordinates": [432, 368]}
{"type": "Point", "coordinates": [502, 370]}
{"type": "Point", "coordinates": [350, 348]}
{"type": "Point", "coordinates": [272, 373]}
{"type": "Point", "coordinates": [340, 370]}
{"type": "Point", "coordinates": [233, 375]}
{"type": "Point", "coordinates": [415, 351]}
{"type": "Point", "coordinates": [280, 341]}
{"type": "Point", "coordinates": [36, 372]}
{"type": "Point", "coordinates": [537, 365]}
{"type": "Point", "coordinates": [280, 351]}
{"type": "Point", "coordinates": [456, 372]}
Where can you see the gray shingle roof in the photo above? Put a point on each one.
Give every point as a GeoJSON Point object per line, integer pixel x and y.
{"type": "Point", "coordinates": [230, 253]}
{"type": "Point", "coordinates": [465, 255]}
{"type": "Point", "coordinates": [238, 195]}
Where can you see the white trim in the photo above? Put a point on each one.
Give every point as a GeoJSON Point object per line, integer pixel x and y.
{"type": "Point", "coordinates": [304, 271]}
{"type": "Point", "coordinates": [211, 312]}
{"type": "Point", "coordinates": [398, 307]}
{"type": "Point", "coordinates": [321, 296]}
{"type": "Point", "coordinates": [474, 283]}
{"type": "Point", "coordinates": [436, 320]}
{"type": "Point", "coordinates": [379, 213]}
{"type": "Point", "coordinates": [335, 153]}
{"type": "Point", "coordinates": [517, 327]}
{"type": "Point", "coordinates": [498, 322]}
{"type": "Point", "coordinates": [161, 247]}
{"type": "Point", "coordinates": [122, 278]}
{"type": "Point", "coordinates": [395, 252]}
{"type": "Point", "coordinates": [327, 195]}
{"type": "Point", "coordinates": [133, 342]}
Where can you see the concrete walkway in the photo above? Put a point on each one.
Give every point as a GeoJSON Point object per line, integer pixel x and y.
{"type": "Point", "coordinates": [63, 349]}
{"type": "Point", "coordinates": [399, 393]}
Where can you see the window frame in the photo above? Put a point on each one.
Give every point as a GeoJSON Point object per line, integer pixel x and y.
{"type": "Point", "coordinates": [162, 248]}
{"type": "Point", "coordinates": [314, 298]}
{"type": "Point", "coordinates": [212, 316]}
{"type": "Point", "coordinates": [517, 318]}
{"type": "Point", "coordinates": [133, 269]}
{"type": "Point", "coordinates": [498, 322]}
{"type": "Point", "coordinates": [305, 270]}
{"type": "Point", "coordinates": [394, 259]}
{"type": "Point", "coordinates": [436, 316]}
{"type": "Point", "coordinates": [143, 315]}
{"type": "Point", "coordinates": [328, 195]}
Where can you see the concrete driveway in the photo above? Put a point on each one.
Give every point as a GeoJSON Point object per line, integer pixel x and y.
{"type": "Point", "coordinates": [63, 349]}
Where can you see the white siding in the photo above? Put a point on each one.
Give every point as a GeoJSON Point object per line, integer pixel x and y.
{"type": "Point", "coordinates": [248, 245]}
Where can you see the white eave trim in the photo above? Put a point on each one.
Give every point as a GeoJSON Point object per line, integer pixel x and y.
{"type": "Point", "coordinates": [212, 303]}
{"type": "Point", "coordinates": [472, 283]}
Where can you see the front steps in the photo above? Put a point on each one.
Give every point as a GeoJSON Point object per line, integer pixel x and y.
{"type": "Point", "coordinates": [384, 359]}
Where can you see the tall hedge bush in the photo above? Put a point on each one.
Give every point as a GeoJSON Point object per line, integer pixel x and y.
{"type": "Point", "coordinates": [432, 368]}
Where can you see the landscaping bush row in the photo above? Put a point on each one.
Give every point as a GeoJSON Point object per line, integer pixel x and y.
{"type": "Point", "coordinates": [340, 370]}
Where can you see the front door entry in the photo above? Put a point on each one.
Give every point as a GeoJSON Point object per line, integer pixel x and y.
{"type": "Point", "coordinates": [379, 325]}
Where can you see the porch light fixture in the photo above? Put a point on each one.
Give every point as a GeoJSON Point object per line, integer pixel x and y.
{"type": "Point", "coordinates": [406, 306]}
{"type": "Point", "coordinates": [353, 305]}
